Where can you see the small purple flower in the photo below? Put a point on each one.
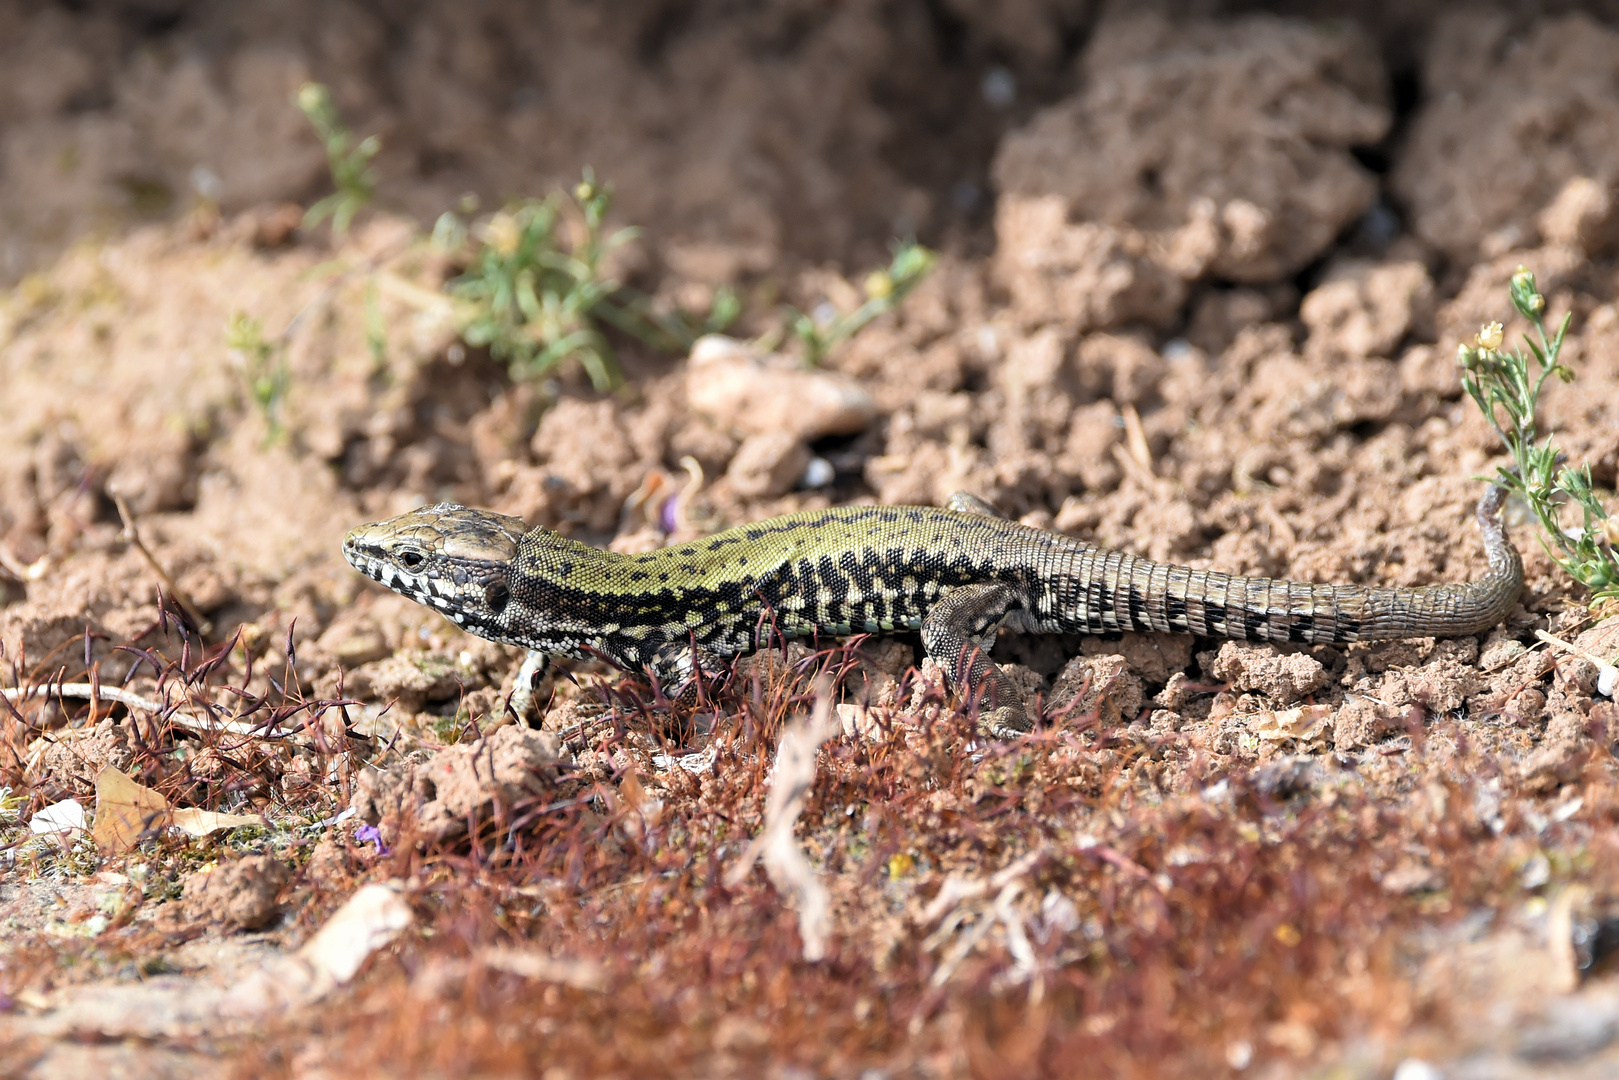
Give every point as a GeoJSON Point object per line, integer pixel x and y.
{"type": "Point", "coordinates": [368, 834]}
{"type": "Point", "coordinates": [669, 514]}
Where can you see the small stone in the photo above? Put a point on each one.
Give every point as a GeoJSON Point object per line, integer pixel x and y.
{"type": "Point", "coordinates": [354, 641]}
{"type": "Point", "coordinates": [437, 798]}
{"type": "Point", "coordinates": [1500, 649]}
{"type": "Point", "coordinates": [1283, 677]}
{"type": "Point", "coordinates": [1154, 657]}
{"type": "Point", "coordinates": [768, 464]}
{"type": "Point", "coordinates": [1087, 276]}
{"type": "Point", "coordinates": [1359, 724]}
{"type": "Point", "coordinates": [1362, 310]}
{"type": "Point", "coordinates": [818, 473]}
{"type": "Point", "coordinates": [414, 679]}
{"type": "Point", "coordinates": [238, 894]}
{"type": "Point", "coordinates": [1416, 1069]}
{"type": "Point", "coordinates": [1112, 693]}
{"type": "Point", "coordinates": [744, 392]}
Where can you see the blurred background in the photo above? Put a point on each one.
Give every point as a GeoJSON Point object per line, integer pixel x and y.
{"type": "Point", "coordinates": [742, 133]}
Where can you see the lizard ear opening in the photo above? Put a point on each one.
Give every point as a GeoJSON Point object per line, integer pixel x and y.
{"type": "Point", "coordinates": [497, 595]}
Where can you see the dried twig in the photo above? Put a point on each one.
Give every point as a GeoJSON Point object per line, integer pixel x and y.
{"type": "Point", "coordinates": [790, 781]}
{"type": "Point", "coordinates": [96, 694]}
{"type": "Point", "coordinates": [20, 570]}
{"type": "Point", "coordinates": [1607, 673]}
{"type": "Point", "coordinates": [203, 626]}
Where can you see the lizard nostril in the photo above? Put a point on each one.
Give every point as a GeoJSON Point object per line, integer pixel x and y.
{"type": "Point", "coordinates": [497, 595]}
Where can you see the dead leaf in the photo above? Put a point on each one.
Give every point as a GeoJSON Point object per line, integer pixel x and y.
{"type": "Point", "coordinates": [1302, 722]}
{"type": "Point", "coordinates": [62, 817]}
{"type": "Point", "coordinates": [197, 822]}
{"type": "Point", "coordinates": [125, 811]}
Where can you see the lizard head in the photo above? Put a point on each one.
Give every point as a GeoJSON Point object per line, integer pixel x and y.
{"type": "Point", "coordinates": [451, 558]}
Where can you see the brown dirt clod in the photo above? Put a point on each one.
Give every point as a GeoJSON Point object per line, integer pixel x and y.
{"type": "Point", "coordinates": [243, 893]}
{"type": "Point", "coordinates": [437, 799]}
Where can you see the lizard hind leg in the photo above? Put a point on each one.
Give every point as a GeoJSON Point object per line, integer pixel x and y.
{"type": "Point", "coordinates": [963, 503]}
{"type": "Point", "coordinates": [958, 632]}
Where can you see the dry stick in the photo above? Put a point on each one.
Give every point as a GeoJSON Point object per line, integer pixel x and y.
{"type": "Point", "coordinates": [24, 572]}
{"type": "Point", "coordinates": [960, 898]}
{"type": "Point", "coordinates": [790, 781]}
{"type": "Point", "coordinates": [204, 627]}
{"type": "Point", "coordinates": [1607, 674]}
{"type": "Point", "coordinates": [91, 693]}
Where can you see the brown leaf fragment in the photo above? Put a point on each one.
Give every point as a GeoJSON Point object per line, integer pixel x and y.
{"type": "Point", "coordinates": [198, 822]}
{"type": "Point", "coordinates": [126, 811]}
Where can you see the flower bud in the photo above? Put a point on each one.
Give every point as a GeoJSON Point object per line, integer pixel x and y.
{"type": "Point", "coordinates": [311, 97]}
{"type": "Point", "coordinates": [504, 234]}
{"type": "Point", "coordinates": [1525, 297]}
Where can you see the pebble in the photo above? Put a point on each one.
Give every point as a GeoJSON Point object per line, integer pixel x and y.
{"type": "Point", "coordinates": [754, 395]}
{"type": "Point", "coordinates": [1572, 1028]}
{"type": "Point", "coordinates": [768, 464]}
{"type": "Point", "coordinates": [1416, 1069]}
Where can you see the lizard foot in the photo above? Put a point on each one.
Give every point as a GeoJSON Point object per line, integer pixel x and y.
{"type": "Point", "coordinates": [1004, 722]}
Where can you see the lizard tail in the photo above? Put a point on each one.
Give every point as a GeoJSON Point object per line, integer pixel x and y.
{"type": "Point", "coordinates": [1105, 591]}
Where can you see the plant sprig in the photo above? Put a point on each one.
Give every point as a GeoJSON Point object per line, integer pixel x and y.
{"type": "Point", "coordinates": [1508, 384]}
{"type": "Point", "coordinates": [535, 300]}
{"type": "Point", "coordinates": [885, 290]}
{"type": "Point", "coordinates": [350, 162]}
{"type": "Point", "coordinates": [265, 370]}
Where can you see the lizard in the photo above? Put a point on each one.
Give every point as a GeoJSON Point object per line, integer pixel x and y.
{"type": "Point", "coordinates": [957, 574]}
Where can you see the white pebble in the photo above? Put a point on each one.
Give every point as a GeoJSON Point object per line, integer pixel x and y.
{"type": "Point", "coordinates": [999, 87]}
{"type": "Point", "coordinates": [1416, 1069]}
{"type": "Point", "coordinates": [819, 473]}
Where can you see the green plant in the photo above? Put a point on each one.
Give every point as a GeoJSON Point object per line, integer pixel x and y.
{"type": "Point", "coordinates": [885, 290]}
{"type": "Point", "coordinates": [1506, 387]}
{"type": "Point", "coordinates": [532, 298]}
{"type": "Point", "coordinates": [350, 162]}
{"type": "Point", "coordinates": [536, 297]}
{"type": "Point", "coordinates": [264, 369]}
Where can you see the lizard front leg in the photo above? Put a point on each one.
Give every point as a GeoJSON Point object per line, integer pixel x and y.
{"type": "Point", "coordinates": [679, 666]}
{"type": "Point", "coordinates": [521, 701]}
{"type": "Point", "coordinates": [958, 632]}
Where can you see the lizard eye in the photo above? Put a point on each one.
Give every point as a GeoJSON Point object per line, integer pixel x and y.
{"type": "Point", "coordinates": [412, 560]}
{"type": "Point", "coordinates": [497, 595]}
